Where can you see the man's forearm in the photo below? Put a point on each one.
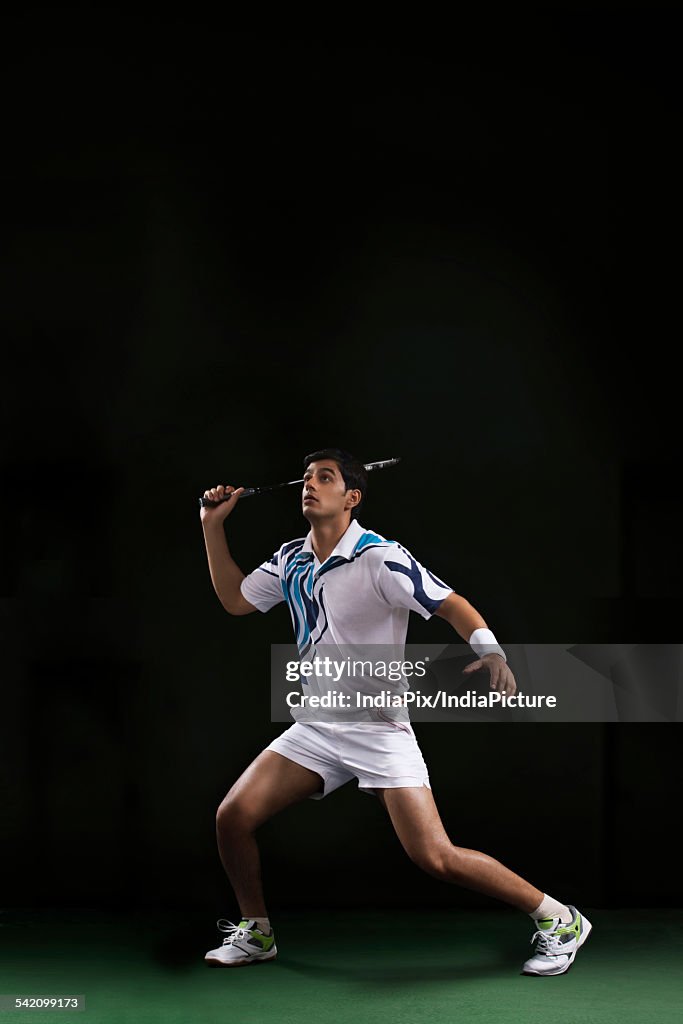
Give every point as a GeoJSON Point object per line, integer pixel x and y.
{"type": "Point", "coordinates": [467, 621]}
{"type": "Point", "coordinates": [462, 616]}
{"type": "Point", "coordinates": [226, 575]}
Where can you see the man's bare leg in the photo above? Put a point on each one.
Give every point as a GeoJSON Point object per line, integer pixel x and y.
{"type": "Point", "coordinates": [270, 783]}
{"type": "Point", "coordinates": [418, 825]}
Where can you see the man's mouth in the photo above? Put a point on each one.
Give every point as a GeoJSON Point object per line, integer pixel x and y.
{"type": "Point", "coordinates": [309, 498]}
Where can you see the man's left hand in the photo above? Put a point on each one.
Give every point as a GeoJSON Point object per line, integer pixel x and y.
{"type": "Point", "coordinates": [502, 679]}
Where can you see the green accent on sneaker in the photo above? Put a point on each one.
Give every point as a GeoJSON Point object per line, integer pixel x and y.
{"type": "Point", "coordinates": [573, 928]}
{"type": "Point", "coordinates": [545, 924]}
{"type": "Point", "coordinates": [265, 941]}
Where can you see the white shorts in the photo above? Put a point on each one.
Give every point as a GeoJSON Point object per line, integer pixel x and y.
{"type": "Point", "coordinates": [379, 755]}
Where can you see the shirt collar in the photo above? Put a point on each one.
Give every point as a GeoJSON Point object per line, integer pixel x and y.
{"type": "Point", "coordinates": [345, 544]}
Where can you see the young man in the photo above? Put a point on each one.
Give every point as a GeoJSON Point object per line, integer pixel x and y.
{"type": "Point", "coordinates": [370, 586]}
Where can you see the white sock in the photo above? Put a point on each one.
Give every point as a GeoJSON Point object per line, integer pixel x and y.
{"type": "Point", "coordinates": [548, 907]}
{"type": "Point", "coordinates": [263, 923]}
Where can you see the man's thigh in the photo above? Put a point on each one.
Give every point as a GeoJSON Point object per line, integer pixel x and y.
{"type": "Point", "coordinates": [270, 783]}
{"type": "Point", "coordinates": [415, 817]}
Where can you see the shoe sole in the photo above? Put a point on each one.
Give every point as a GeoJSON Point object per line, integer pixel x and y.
{"type": "Point", "coordinates": [240, 963]}
{"type": "Point", "coordinates": [553, 974]}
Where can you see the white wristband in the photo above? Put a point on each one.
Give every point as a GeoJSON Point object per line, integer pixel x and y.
{"type": "Point", "coordinates": [484, 642]}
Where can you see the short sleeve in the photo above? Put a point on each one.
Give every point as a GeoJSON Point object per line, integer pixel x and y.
{"type": "Point", "coordinates": [262, 586]}
{"type": "Point", "coordinates": [404, 583]}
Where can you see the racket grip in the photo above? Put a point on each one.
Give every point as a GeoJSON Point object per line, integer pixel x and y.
{"type": "Point", "coordinates": [208, 503]}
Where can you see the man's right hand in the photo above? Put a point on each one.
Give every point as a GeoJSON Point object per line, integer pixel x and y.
{"type": "Point", "coordinates": [225, 506]}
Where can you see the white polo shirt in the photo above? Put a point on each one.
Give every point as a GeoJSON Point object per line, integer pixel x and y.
{"type": "Point", "coordinates": [362, 594]}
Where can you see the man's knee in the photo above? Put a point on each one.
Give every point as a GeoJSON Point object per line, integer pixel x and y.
{"type": "Point", "coordinates": [441, 861]}
{"type": "Point", "coordinates": [234, 815]}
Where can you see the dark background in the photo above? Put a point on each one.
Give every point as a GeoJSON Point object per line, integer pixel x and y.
{"type": "Point", "coordinates": [227, 247]}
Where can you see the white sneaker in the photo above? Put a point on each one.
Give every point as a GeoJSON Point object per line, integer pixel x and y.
{"type": "Point", "coordinates": [244, 943]}
{"type": "Point", "coordinates": [557, 944]}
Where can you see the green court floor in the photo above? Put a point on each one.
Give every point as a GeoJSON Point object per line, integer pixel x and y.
{"type": "Point", "coordinates": [337, 967]}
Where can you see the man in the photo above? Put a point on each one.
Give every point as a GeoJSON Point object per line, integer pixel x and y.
{"type": "Point", "coordinates": [347, 585]}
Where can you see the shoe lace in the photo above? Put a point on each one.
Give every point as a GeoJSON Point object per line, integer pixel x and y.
{"type": "Point", "coordinates": [233, 931]}
{"type": "Point", "coordinates": [548, 942]}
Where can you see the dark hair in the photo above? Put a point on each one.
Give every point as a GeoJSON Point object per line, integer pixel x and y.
{"type": "Point", "coordinates": [354, 472]}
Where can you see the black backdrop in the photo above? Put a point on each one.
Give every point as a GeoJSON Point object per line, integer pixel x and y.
{"type": "Point", "coordinates": [228, 247]}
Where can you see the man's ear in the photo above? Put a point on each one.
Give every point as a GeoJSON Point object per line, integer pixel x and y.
{"type": "Point", "coordinates": [355, 496]}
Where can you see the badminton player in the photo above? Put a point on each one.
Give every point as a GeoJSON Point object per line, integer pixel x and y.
{"type": "Point", "coordinates": [348, 585]}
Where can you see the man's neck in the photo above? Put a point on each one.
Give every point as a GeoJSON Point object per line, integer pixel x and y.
{"type": "Point", "coordinates": [325, 536]}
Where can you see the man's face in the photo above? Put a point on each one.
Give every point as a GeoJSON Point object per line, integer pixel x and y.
{"type": "Point", "coordinates": [324, 494]}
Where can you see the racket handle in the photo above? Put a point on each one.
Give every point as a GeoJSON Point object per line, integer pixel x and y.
{"type": "Point", "coordinates": [208, 503]}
